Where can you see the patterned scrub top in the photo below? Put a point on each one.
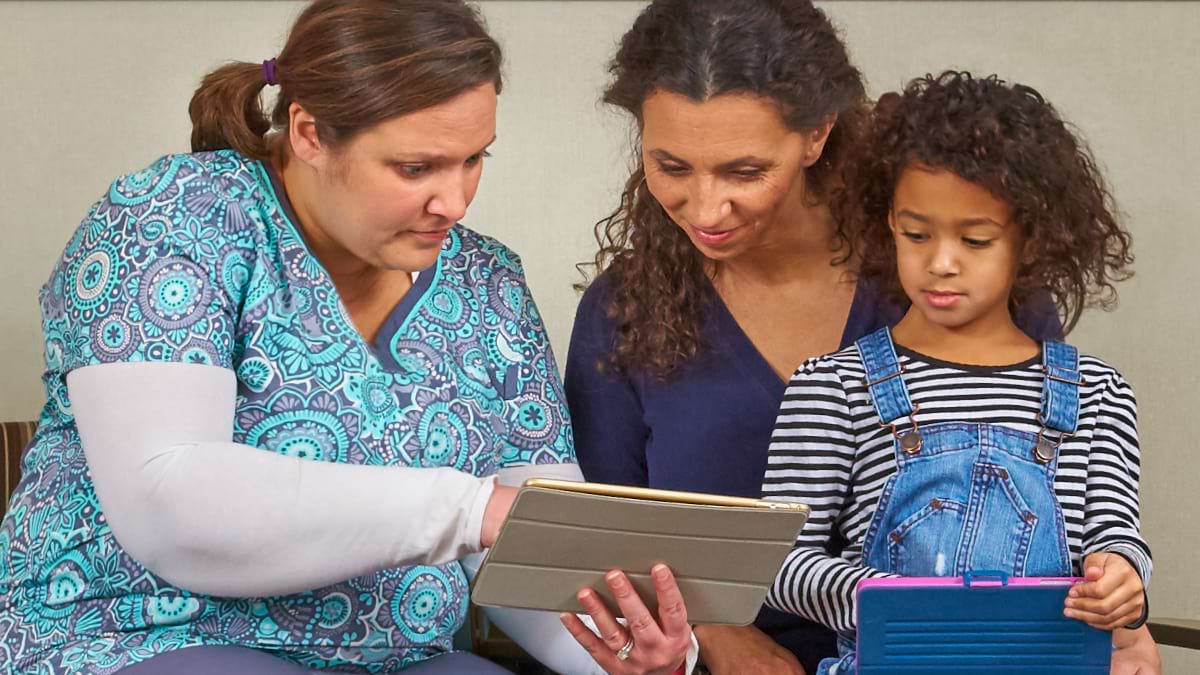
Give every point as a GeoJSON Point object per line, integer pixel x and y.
{"type": "Point", "coordinates": [197, 259]}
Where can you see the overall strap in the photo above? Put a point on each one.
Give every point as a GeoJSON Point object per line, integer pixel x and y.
{"type": "Point", "coordinates": [1060, 387]}
{"type": "Point", "coordinates": [884, 376]}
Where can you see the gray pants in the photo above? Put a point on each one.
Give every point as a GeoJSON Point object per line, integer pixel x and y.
{"type": "Point", "coordinates": [243, 661]}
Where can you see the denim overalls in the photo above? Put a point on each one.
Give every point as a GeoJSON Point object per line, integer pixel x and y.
{"type": "Point", "coordinates": [966, 496]}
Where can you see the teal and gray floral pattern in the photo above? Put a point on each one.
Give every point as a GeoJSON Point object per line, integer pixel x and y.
{"type": "Point", "coordinates": [195, 260]}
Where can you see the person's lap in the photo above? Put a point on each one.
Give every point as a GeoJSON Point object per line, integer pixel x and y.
{"type": "Point", "coordinates": [214, 660]}
{"type": "Point", "coordinates": [222, 660]}
{"type": "Point", "coordinates": [458, 662]}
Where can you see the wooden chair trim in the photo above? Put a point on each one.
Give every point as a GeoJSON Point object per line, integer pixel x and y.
{"type": "Point", "coordinates": [14, 436]}
{"type": "Point", "coordinates": [1176, 632]}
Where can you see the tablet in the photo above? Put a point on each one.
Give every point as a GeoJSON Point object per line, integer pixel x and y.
{"type": "Point", "coordinates": [983, 622]}
{"type": "Point", "coordinates": [561, 536]}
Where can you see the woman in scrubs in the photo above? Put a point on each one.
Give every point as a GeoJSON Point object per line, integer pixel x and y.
{"type": "Point", "coordinates": [282, 379]}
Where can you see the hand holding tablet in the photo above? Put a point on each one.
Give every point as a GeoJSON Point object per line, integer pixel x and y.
{"type": "Point", "coordinates": [561, 537]}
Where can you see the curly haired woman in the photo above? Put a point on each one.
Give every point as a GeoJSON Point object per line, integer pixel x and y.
{"type": "Point", "coordinates": [723, 267]}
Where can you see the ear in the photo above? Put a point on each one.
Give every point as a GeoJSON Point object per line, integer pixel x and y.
{"type": "Point", "coordinates": [816, 140]}
{"type": "Point", "coordinates": [892, 220]}
{"type": "Point", "coordinates": [1027, 252]}
{"type": "Point", "coordinates": [302, 135]}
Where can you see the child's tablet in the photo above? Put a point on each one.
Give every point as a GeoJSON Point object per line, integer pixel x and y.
{"type": "Point", "coordinates": [562, 536]}
{"type": "Point", "coordinates": [982, 622]}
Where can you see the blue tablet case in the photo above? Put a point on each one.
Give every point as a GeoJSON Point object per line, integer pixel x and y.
{"type": "Point", "coordinates": [980, 623]}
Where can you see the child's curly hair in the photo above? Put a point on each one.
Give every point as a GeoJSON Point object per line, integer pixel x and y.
{"type": "Point", "coordinates": [1009, 140]}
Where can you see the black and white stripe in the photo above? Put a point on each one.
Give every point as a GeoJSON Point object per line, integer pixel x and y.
{"type": "Point", "coordinates": [829, 451]}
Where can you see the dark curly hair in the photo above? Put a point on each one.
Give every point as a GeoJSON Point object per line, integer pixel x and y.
{"type": "Point", "coordinates": [784, 50]}
{"type": "Point", "coordinates": [1009, 140]}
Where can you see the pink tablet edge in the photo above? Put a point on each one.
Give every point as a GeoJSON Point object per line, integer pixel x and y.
{"type": "Point", "coordinates": [900, 582]}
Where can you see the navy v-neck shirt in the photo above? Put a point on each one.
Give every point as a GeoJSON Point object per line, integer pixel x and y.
{"type": "Point", "coordinates": [708, 427]}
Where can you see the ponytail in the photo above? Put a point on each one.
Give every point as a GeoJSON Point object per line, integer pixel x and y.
{"type": "Point", "coordinates": [351, 64]}
{"type": "Point", "coordinates": [227, 111]}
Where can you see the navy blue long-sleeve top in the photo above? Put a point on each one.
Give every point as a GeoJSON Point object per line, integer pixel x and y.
{"type": "Point", "coordinates": [707, 428]}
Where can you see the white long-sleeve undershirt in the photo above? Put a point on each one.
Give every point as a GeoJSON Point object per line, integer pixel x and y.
{"type": "Point", "coordinates": [221, 518]}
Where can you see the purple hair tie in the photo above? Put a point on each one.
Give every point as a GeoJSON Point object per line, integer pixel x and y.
{"type": "Point", "coordinates": [269, 72]}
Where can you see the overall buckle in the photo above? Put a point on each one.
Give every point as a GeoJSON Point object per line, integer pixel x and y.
{"type": "Point", "coordinates": [1045, 449]}
{"type": "Point", "coordinates": [910, 441]}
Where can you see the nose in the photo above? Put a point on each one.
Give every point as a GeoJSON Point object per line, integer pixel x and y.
{"type": "Point", "coordinates": [709, 206]}
{"type": "Point", "coordinates": [944, 262]}
{"type": "Point", "coordinates": [450, 199]}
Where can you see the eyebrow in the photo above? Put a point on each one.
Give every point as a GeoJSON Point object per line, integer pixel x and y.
{"type": "Point", "coordinates": [433, 157]}
{"type": "Point", "coordinates": [965, 222]}
{"type": "Point", "coordinates": [745, 160]}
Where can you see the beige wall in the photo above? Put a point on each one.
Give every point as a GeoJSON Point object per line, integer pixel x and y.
{"type": "Point", "coordinates": [89, 90]}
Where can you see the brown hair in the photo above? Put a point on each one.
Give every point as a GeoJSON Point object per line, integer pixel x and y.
{"type": "Point", "coordinates": [351, 64]}
{"type": "Point", "coordinates": [1009, 140]}
{"type": "Point", "coordinates": [783, 50]}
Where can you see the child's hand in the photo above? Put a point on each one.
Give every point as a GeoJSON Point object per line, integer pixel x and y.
{"type": "Point", "coordinates": [1111, 597]}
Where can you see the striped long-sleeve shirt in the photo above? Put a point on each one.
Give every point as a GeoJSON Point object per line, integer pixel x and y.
{"type": "Point", "coordinates": [829, 451]}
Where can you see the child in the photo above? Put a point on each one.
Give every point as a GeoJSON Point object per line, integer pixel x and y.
{"type": "Point", "coordinates": [954, 442]}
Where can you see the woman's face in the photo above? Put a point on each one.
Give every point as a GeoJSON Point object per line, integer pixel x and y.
{"type": "Point", "coordinates": [728, 171]}
{"type": "Point", "coordinates": [388, 197]}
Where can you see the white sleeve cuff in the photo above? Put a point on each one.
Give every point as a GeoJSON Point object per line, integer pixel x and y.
{"type": "Point", "coordinates": [474, 533]}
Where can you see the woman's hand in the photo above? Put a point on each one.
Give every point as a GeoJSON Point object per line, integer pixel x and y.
{"type": "Point", "coordinates": [495, 512]}
{"type": "Point", "coordinates": [1136, 653]}
{"type": "Point", "coordinates": [744, 650]}
{"type": "Point", "coordinates": [645, 646]}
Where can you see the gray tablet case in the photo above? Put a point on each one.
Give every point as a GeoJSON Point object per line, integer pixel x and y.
{"type": "Point", "coordinates": [556, 542]}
